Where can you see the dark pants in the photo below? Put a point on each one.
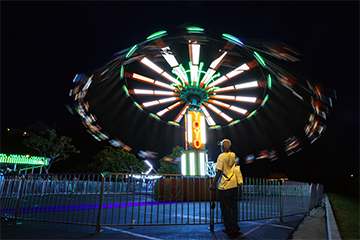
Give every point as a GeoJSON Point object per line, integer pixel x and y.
{"type": "Point", "coordinates": [228, 204]}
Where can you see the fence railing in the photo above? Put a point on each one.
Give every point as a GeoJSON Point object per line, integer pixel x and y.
{"type": "Point", "coordinates": [119, 199]}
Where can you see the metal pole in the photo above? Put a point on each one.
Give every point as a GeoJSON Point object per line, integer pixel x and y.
{"type": "Point", "coordinates": [97, 230]}
{"type": "Point", "coordinates": [311, 186]}
{"type": "Point", "coordinates": [282, 200]}
{"type": "Point", "coordinates": [19, 201]}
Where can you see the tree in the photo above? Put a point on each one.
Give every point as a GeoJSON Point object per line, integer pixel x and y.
{"type": "Point", "coordinates": [115, 160]}
{"type": "Point", "coordinates": [51, 146]}
{"type": "Point", "coordinates": [171, 167]}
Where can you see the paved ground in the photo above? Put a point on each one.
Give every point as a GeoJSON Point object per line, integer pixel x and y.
{"type": "Point", "coordinates": [296, 227]}
{"type": "Point", "coordinates": [261, 229]}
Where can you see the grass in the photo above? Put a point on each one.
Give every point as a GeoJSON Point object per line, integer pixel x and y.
{"type": "Point", "coordinates": [346, 212]}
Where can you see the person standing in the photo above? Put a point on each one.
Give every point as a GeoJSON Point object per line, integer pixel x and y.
{"type": "Point", "coordinates": [228, 187]}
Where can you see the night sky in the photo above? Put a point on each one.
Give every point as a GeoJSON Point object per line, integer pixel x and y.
{"type": "Point", "coordinates": [44, 44]}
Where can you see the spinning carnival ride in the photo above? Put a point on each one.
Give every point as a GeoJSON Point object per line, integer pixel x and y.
{"type": "Point", "coordinates": [211, 84]}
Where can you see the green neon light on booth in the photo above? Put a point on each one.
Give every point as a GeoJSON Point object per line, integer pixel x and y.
{"type": "Point", "coordinates": [156, 35]}
{"type": "Point", "coordinates": [23, 159]}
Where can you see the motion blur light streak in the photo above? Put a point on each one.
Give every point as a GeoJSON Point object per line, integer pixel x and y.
{"type": "Point", "coordinates": [263, 94]}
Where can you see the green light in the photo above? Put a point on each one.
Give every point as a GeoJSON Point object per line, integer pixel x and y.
{"type": "Point", "coordinates": [194, 29]}
{"type": "Point", "coordinates": [154, 116]}
{"type": "Point", "coordinates": [138, 105]}
{"type": "Point", "coordinates": [184, 72]}
{"type": "Point", "coordinates": [265, 99]}
{"type": "Point", "coordinates": [215, 127]}
{"type": "Point", "coordinates": [121, 72]}
{"type": "Point", "coordinates": [232, 39]}
{"type": "Point", "coordinates": [213, 89]}
{"type": "Point", "coordinates": [201, 65]}
{"type": "Point", "coordinates": [212, 78]}
{"type": "Point", "coordinates": [23, 159]}
{"type": "Point", "coordinates": [234, 122]}
{"type": "Point", "coordinates": [178, 75]}
{"type": "Point", "coordinates": [126, 90]}
{"type": "Point", "coordinates": [131, 51]}
{"type": "Point", "coordinates": [156, 35]}
{"type": "Point", "coordinates": [260, 59]}
{"type": "Point", "coordinates": [252, 113]}
{"type": "Point", "coordinates": [174, 123]}
{"type": "Point", "coordinates": [191, 81]}
{"type": "Point", "coordinates": [269, 82]}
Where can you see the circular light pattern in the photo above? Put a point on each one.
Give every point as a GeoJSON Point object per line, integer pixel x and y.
{"type": "Point", "coordinates": [231, 81]}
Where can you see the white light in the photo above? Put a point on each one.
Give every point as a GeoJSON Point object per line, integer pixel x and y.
{"type": "Point", "coordinates": [205, 111]}
{"type": "Point", "coordinates": [245, 99]}
{"type": "Point", "coordinates": [247, 85]}
{"type": "Point", "coordinates": [202, 163]}
{"type": "Point", "coordinates": [174, 105]}
{"type": "Point", "coordinates": [158, 92]}
{"type": "Point", "coordinates": [151, 65]}
{"type": "Point", "coordinates": [151, 167]}
{"type": "Point", "coordinates": [162, 112]}
{"type": "Point", "coordinates": [215, 109]}
{"type": "Point", "coordinates": [237, 109]}
{"type": "Point", "coordinates": [178, 119]}
{"type": "Point", "coordinates": [210, 121]}
{"type": "Point", "coordinates": [194, 73]}
{"type": "Point", "coordinates": [216, 62]}
{"type": "Point", "coordinates": [217, 82]}
{"type": "Point", "coordinates": [164, 85]}
{"type": "Point", "coordinates": [203, 132]}
{"type": "Point", "coordinates": [226, 117]}
{"type": "Point", "coordinates": [152, 103]}
{"type": "Point", "coordinates": [208, 118]}
{"type": "Point", "coordinates": [208, 75]}
{"type": "Point", "coordinates": [189, 127]}
{"type": "Point", "coordinates": [183, 164]}
{"type": "Point", "coordinates": [225, 97]}
{"type": "Point", "coordinates": [142, 91]}
{"type": "Point", "coordinates": [169, 57]}
{"type": "Point", "coordinates": [234, 73]}
{"type": "Point", "coordinates": [143, 78]}
{"type": "Point", "coordinates": [229, 88]}
{"type": "Point", "coordinates": [195, 49]}
{"type": "Point", "coordinates": [192, 163]}
{"type": "Point", "coordinates": [180, 73]}
{"type": "Point", "coordinates": [169, 77]}
{"type": "Point", "coordinates": [221, 104]}
{"type": "Point", "coordinates": [243, 67]}
{"type": "Point", "coordinates": [164, 100]}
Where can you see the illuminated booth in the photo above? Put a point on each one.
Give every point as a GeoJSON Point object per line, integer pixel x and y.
{"type": "Point", "coordinates": [194, 157]}
{"type": "Point", "coordinates": [22, 162]}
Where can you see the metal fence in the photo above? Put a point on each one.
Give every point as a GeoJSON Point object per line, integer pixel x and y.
{"type": "Point", "coordinates": [118, 199]}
